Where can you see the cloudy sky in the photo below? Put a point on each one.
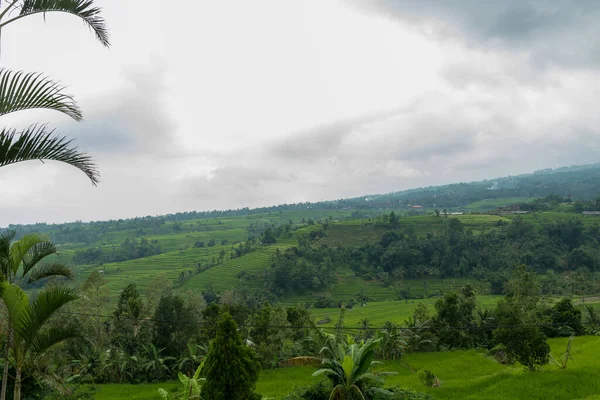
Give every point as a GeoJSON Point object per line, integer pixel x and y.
{"type": "Point", "coordinates": [222, 104]}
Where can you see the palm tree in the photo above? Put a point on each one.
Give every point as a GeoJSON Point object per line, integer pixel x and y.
{"type": "Point", "coordinates": [21, 263]}
{"type": "Point", "coordinates": [348, 369]}
{"type": "Point", "coordinates": [21, 260]}
{"type": "Point", "coordinates": [415, 336]}
{"type": "Point", "coordinates": [30, 339]}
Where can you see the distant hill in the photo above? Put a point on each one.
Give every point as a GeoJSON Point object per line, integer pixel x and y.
{"type": "Point", "coordinates": [581, 182]}
{"type": "Point", "coordinates": [578, 182]}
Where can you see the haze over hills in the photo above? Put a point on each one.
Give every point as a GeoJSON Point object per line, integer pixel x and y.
{"type": "Point", "coordinates": [581, 182]}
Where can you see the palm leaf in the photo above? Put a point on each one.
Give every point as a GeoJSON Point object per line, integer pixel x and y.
{"type": "Point", "coordinates": [83, 9]}
{"type": "Point", "coordinates": [42, 341]}
{"type": "Point", "coordinates": [336, 390]}
{"type": "Point", "coordinates": [21, 91]}
{"type": "Point", "coordinates": [38, 143]}
{"type": "Point", "coordinates": [15, 300]}
{"type": "Point", "coordinates": [6, 238]}
{"type": "Point", "coordinates": [48, 270]}
{"type": "Point", "coordinates": [37, 313]}
{"type": "Point", "coordinates": [37, 253]}
{"type": "Point", "coordinates": [19, 250]}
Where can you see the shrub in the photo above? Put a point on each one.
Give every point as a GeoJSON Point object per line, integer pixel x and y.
{"type": "Point", "coordinates": [429, 379]}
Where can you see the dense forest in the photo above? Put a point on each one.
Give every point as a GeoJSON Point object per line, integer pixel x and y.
{"type": "Point", "coordinates": [563, 251]}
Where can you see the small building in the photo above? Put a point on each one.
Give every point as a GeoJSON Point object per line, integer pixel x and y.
{"type": "Point", "coordinates": [416, 206]}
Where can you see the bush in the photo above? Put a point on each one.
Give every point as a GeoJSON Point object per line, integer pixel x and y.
{"type": "Point", "coordinates": [429, 379]}
{"type": "Point", "coordinates": [527, 344]}
{"type": "Point", "coordinates": [325, 302]}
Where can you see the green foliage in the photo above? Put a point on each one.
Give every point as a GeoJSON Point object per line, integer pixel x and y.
{"type": "Point", "coordinates": [518, 317]}
{"type": "Point", "coordinates": [130, 329]}
{"type": "Point", "coordinates": [566, 320]}
{"type": "Point", "coordinates": [429, 379]}
{"type": "Point", "coordinates": [564, 359]}
{"type": "Point", "coordinates": [302, 268]}
{"type": "Point", "coordinates": [454, 319]}
{"type": "Point", "coordinates": [192, 386]}
{"type": "Point", "coordinates": [31, 338]}
{"type": "Point", "coordinates": [38, 142]}
{"type": "Point", "coordinates": [174, 325]}
{"type": "Point", "coordinates": [349, 368]}
{"type": "Point", "coordinates": [231, 367]}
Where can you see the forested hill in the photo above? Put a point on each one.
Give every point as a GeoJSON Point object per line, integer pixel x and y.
{"type": "Point", "coordinates": [577, 182]}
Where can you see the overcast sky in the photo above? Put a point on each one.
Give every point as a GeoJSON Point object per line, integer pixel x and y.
{"type": "Point", "coordinates": [223, 104]}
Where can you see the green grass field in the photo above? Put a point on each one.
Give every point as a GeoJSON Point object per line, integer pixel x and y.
{"type": "Point", "coordinates": [468, 375]}
{"type": "Point", "coordinates": [378, 313]}
{"type": "Point", "coordinates": [491, 204]}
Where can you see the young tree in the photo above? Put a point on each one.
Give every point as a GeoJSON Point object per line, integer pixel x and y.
{"type": "Point", "coordinates": [30, 339]}
{"type": "Point", "coordinates": [566, 320]}
{"type": "Point", "coordinates": [129, 324]}
{"type": "Point", "coordinates": [23, 263]}
{"type": "Point", "coordinates": [454, 318]}
{"type": "Point", "coordinates": [174, 325]}
{"type": "Point", "coordinates": [349, 369]}
{"type": "Point", "coordinates": [518, 316]}
{"type": "Point", "coordinates": [231, 367]}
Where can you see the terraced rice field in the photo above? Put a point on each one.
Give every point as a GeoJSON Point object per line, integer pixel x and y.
{"type": "Point", "coordinates": [465, 375]}
{"type": "Point", "coordinates": [378, 313]}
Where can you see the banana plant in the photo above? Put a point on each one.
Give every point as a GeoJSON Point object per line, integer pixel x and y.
{"type": "Point", "coordinates": [191, 386]}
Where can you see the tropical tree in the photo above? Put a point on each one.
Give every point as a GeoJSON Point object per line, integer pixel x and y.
{"type": "Point", "coordinates": [348, 367]}
{"type": "Point", "coordinates": [22, 263]}
{"type": "Point", "coordinates": [30, 339]}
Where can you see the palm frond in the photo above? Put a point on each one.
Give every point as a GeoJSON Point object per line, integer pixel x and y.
{"type": "Point", "coordinates": [49, 270]}
{"type": "Point", "coordinates": [42, 341]}
{"type": "Point", "coordinates": [6, 238]}
{"type": "Point", "coordinates": [83, 9]}
{"type": "Point", "coordinates": [15, 300]}
{"type": "Point", "coordinates": [20, 248]}
{"type": "Point", "coordinates": [38, 312]}
{"type": "Point", "coordinates": [24, 91]}
{"type": "Point", "coordinates": [36, 254]}
{"type": "Point", "coordinates": [37, 142]}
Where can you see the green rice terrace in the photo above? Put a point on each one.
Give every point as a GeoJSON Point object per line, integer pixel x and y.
{"type": "Point", "coordinates": [443, 298]}
{"type": "Point", "coordinates": [408, 280]}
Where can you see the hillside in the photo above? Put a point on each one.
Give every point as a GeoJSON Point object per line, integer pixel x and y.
{"type": "Point", "coordinates": [200, 250]}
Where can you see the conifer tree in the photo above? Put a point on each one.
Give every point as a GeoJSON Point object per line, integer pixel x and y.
{"type": "Point", "coordinates": [231, 367]}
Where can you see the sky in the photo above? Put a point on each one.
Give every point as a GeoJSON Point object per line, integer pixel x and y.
{"type": "Point", "coordinates": [225, 104]}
